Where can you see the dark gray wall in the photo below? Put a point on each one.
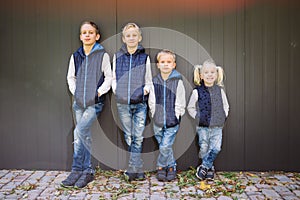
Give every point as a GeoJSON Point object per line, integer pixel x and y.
{"type": "Point", "coordinates": [256, 43]}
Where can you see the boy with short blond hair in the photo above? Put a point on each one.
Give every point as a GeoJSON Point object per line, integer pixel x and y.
{"type": "Point", "coordinates": [167, 106]}
{"type": "Point", "coordinates": [131, 84]}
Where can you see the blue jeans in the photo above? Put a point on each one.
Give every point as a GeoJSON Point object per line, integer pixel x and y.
{"type": "Point", "coordinates": [133, 121]}
{"type": "Point", "coordinates": [165, 138]}
{"type": "Point", "coordinates": [82, 136]}
{"type": "Point", "coordinates": [210, 141]}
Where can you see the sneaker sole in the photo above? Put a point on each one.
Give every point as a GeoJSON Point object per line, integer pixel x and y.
{"type": "Point", "coordinates": [127, 178]}
{"type": "Point", "coordinates": [162, 179]}
{"type": "Point", "coordinates": [66, 186]}
{"type": "Point", "coordinates": [198, 168]}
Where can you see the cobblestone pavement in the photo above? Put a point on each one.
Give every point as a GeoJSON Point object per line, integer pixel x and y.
{"type": "Point", "coordinates": [22, 184]}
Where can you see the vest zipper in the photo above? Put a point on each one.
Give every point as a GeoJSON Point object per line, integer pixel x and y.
{"type": "Point", "coordinates": [85, 78]}
{"type": "Point", "coordinates": [129, 79]}
{"type": "Point", "coordinates": [164, 104]}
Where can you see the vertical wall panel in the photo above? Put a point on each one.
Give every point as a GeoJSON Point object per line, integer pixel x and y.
{"type": "Point", "coordinates": [294, 96]}
{"type": "Point", "coordinates": [282, 84]}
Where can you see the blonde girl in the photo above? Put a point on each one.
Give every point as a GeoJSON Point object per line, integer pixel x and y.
{"type": "Point", "coordinates": [209, 106]}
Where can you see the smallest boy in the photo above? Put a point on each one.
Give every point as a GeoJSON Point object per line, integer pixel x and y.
{"type": "Point", "coordinates": [167, 106]}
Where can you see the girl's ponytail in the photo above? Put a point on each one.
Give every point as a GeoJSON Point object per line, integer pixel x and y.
{"type": "Point", "coordinates": [197, 78]}
{"type": "Point", "coordinates": [220, 77]}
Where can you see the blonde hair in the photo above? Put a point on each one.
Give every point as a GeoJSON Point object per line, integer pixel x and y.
{"type": "Point", "coordinates": [198, 70]}
{"type": "Point", "coordinates": [165, 51]}
{"type": "Point", "coordinates": [131, 25]}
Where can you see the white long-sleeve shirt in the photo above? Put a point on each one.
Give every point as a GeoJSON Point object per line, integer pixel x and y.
{"type": "Point", "coordinates": [106, 69]}
{"type": "Point", "coordinates": [192, 106]}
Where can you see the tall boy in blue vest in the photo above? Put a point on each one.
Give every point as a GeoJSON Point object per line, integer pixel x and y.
{"type": "Point", "coordinates": [167, 106]}
{"type": "Point", "coordinates": [131, 82]}
{"type": "Point", "coordinates": [89, 78]}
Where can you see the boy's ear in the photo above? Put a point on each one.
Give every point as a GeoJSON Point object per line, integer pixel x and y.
{"type": "Point", "coordinates": [123, 39]}
{"type": "Point", "coordinates": [140, 38]}
{"type": "Point", "coordinates": [98, 36]}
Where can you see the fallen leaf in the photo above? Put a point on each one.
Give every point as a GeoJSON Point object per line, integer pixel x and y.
{"type": "Point", "coordinates": [250, 174]}
{"type": "Point", "coordinates": [204, 186]}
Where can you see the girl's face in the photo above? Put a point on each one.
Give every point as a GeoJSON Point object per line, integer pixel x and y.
{"type": "Point", "coordinates": [131, 37]}
{"type": "Point", "coordinates": [209, 74]}
{"type": "Point", "coordinates": [88, 35]}
{"type": "Point", "coordinates": [166, 64]}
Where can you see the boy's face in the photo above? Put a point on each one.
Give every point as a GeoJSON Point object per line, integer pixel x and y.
{"type": "Point", "coordinates": [209, 74]}
{"type": "Point", "coordinates": [88, 34]}
{"type": "Point", "coordinates": [166, 63]}
{"type": "Point", "coordinates": [131, 37]}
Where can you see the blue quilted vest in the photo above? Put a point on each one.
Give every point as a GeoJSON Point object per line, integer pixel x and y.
{"type": "Point", "coordinates": [165, 96]}
{"type": "Point", "coordinates": [89, 76]}
{"type": "Point", "coordinates": [130, 76]}
{"type": "Point", "coordinates": [210, 106]}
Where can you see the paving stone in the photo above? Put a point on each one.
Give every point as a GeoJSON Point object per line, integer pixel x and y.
{"type": "Point", "coordinates": [142, 195]}
{"type": "Point", "coordinates": [10, 186]}
{"type": "Point", "coordinates": [13, 196]}
{"type": "Point", "coordinates": [262, 186]}
{"type": "Point", "coordinates": [33, 194]}
{"type": "Point", "coordinates": [297, 192]}
{"type": "Point", "coordinates": [7, 177]}
{"type": "Point", "coordinates": [255, 180]}
{"type": "Point", "coordinates": [3, 172]}
{"type": "Point", "coordinates": [52, 173]}
{"type": "Point", "coordinates": [290, 198]}
{"type": "Point", "coordinates": [60, 198]}
{"type": "Point", "coordinates": [283, 191]}
{"type": "Point", "coordinates": [38, 174]}
{"type": "Point", "coordinates": [200, 193]}
{"type": "Point", "coordinates": [48, 192]}
{"type": "Point", "coordinates": [224, 198]}
{"type": "Point", "coordinates": [239, 196]}
{"type": "Point", "coordinates": [157, 197]}
{"type": "Point", "coordinates": [21, 178]}
{"type": "Point", "coordinates": [270, 193]}
{"type": "Point", "coordinates": [125, 196]}
{"type": "Point", "coordinates": [157, 188]}
{"type": "Point", "coordinates": [78, 195]}
{"type": "Point", "coordinates": [188, 189]}
{"type": "Point", "coordinates": [4, 181]}
{"type": "Point", "coordinates": [257, 197]}
{"type": "Point", "coordinates": [293, 186]}
{"type": "Point", "coordinates": [283, 178]}
{"type": "Point", "coordinates": [251, 188]}
{"type": "Point", "coordinates": [106, 195]}
{"type": "Point", "coordinates": [93, 196]}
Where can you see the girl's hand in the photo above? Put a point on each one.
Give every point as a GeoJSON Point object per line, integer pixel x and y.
{"type": "Point", "coordinates": [99, 94]}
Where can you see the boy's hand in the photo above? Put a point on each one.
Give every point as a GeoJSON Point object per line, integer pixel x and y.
{"type": "Point", "coordinates": [146, 92]}
{"type": "Point", "coordinates": [99, 94]}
